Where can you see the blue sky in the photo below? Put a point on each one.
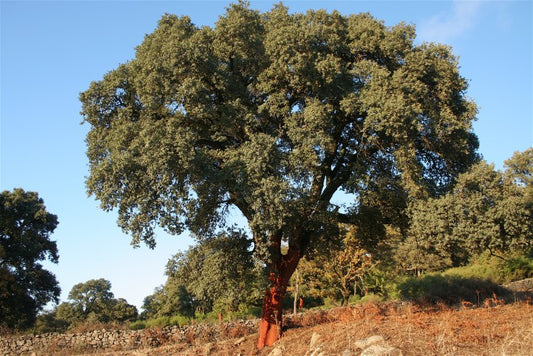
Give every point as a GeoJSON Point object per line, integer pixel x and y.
{"type": "Point", "coordinates": [51, 51]}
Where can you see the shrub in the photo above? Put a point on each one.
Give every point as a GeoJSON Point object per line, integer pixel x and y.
{"type": "Point", "coordinates": [354, 299]}
{"type": "Point", "coordinates": [48, 322]}
{"type": "Point", "coordinates": [179, 320]}
{"type": "Point", "coordinates": [448, 289]}
{"type": "Point", "coordinates": [497, 270]}
{"type": "Point", "coordinates": [372, 298]}
{"type": "Point", "coordinates": [138, 325]}
{"type": "Point", "coordinates": [247, 312]}
{"type": "Point", "coordinates": [490, 272]}
{"type": "Point", "coordinates": [158, 322]}
{"type": "Point", "coordinates": [518, 268]}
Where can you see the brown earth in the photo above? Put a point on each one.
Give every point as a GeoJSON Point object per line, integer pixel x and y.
{"type": "Point", "coordinates": [491, 329]}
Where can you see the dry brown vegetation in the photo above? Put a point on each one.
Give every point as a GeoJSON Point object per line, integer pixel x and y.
{"type": "Point", "coordinates": [491, 329]}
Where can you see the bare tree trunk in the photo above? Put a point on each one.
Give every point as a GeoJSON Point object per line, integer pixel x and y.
{"type": "Point", "coordinates": [296, 292]}
{"type": "Point", "coordinates": [270, 329]}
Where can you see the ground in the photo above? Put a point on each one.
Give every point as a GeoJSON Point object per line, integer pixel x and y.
{"type": "Point", "coordinates": [491, 329]}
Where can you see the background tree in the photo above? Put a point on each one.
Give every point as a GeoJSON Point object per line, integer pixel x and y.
{"type": "Point", "coordinates": [272, 114]}
{"type": "Point", "coordinates": [336, 272]}
{"type": "Point", "coordinates": [25, 287]}
{"type": "Point", "coordinates": [93, 301]}
{"type": "Point", "coordinates": [169, 300]}
{"type": "Point", "coordinates": [486, 210]}
{"type": "Point", "coordinates": [218, 274]}
{"type": "Point", "coordinates": [520, 169]}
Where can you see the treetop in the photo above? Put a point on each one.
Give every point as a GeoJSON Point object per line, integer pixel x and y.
{"type": "Point", "coordinates": [273, 113]}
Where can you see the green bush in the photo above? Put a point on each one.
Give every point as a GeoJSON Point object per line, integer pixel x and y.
{"type": "Point", "coordinates": [176, 320]}
{"type": "Point", "coordinates": [138, 325]}
{"type": "Point", "coordinates": [490, 272]}
{"type": "Point", "coordinates": [518, 268]}
{"type": "Point", "coordinates": [354, 299]}
{"type": "Point", "coordinates": [48, 322]}
{"type": "Point", "coordinates": [448, 289]}
{"type": "Point", "coordinates": [247, 312]}
{"type": "Point", "coordinates": [497, 270]}
{"type": "Point", "coordinates": [372, 298]}
{"type": "Point", "coordinates": [179, 320]}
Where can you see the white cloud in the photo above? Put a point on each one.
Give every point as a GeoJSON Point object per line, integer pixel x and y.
{"type": "Point", "coordinates": [447, 26]}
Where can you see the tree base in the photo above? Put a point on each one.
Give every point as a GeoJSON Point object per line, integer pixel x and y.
{"type": "Point", "coordinates": [268, 334]}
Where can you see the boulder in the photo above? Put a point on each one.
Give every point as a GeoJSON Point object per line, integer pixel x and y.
{"type": "Point", "coordinates": [381, 350]}
{"type": "Point", "coordinates": [369, 341]}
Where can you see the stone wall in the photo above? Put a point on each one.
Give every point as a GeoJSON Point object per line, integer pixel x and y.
{"type": "Point", "coordinates": [120, 339]}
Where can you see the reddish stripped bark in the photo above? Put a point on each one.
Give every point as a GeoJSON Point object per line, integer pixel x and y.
{"type": "Point", "coordinates": [270, 329]}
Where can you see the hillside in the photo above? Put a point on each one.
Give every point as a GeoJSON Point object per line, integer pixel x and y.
{"type": "Point", "coordinates": [492, 329]}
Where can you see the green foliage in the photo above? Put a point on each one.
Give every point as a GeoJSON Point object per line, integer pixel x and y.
{"type": "Point", "coordinates": [518, 268]}
{"type": "Point", "coordinates": [335, 272]}
{"type": "Point", "coordinates": [448, 289]}
{"type": "Point", "coordinates": [514, 266]}
{"type": "Point", "coordinates": [413, 257]}
{"type": "Point", "coordinates": [373, 298]}
{"type": "Point", "coordinates": [218, 274]}
{"type": "Point", "coordinates": [25, 286]}
{"type": "Point", "coordinates": [168, 300]}
{"type": "Point", "coordinates": [381, 281]}
{"type": "Point", "coordinates": [485, 211]}
{"type": "Point", "coordinates": [48, 322]}
{"type": "Point", "coordinates": [485, 271]}
{"type": "Point", "coordinates": [93, 302]}
{"type": "Point", "coordinates": [520, 168]}
{"type": "Point", "coordinates": [272, 114]}
{"type": "Point", "coordinates": [162, 321]}
{"type": "Point", "coordinates": [138, 325]}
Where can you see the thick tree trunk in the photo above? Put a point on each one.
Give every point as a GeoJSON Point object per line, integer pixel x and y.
{"type": "Point", "coordinates": [270, 328]}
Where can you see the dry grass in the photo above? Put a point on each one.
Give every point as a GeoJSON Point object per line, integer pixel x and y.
{"type": "Point", "coordinates": [494, 329]}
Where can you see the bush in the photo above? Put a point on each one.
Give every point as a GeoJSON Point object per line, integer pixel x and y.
{"type": "Point", "coordinates": [372, 298]}
{"type": "Point", "coordinates": [179, 320]}
{"type": "Point", "coordinates": [138, 325]}
{"type": "Point", "coordinates": [497, 270]}
{"type": "Point", "coordinates": [48, 322]}
{"type": "Point", "coordinates": [448, 289]}
{"type": "Point", "coordinates": [491, 272]}
{"type": "Point", "coordinates": [247, 312]}
{"type": "Point", "coordinates": [518, 268]}
{"type": "Point", "coordinates": [354, 299]}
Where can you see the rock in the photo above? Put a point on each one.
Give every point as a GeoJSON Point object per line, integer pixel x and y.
{"type": "Point", "coordinates": [240, 341]}
{"type": "Point", "coordinates": [369, 341]}
{"type": "Point", "coordinates": [208, 348]}
{"type": "Point", "coordinates": [318, 352]}
{"type": "Point", "coordinates": [525, 285]}
{"type": "Point", "coordinates": [315, 339]}
{"type": "Point", "coordinates": [381, 350]}
{"type": "Point", "coordinates": [276, 352]}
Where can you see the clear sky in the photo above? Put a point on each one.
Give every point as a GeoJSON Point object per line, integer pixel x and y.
{"type": "Point", "coordinates": [51, 51]}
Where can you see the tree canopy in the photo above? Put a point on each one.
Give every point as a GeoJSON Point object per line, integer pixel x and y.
{"type": "Point", "coordinates": [217, 274]}
{"type": "Point", "coordinates": [272, 114]}
{"type": "Point", "coordinates": [25, 286]}
{"type": "Point", "coordinates": [486, 210]}
{"type": "Point", "coordinates": [94, 301]}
